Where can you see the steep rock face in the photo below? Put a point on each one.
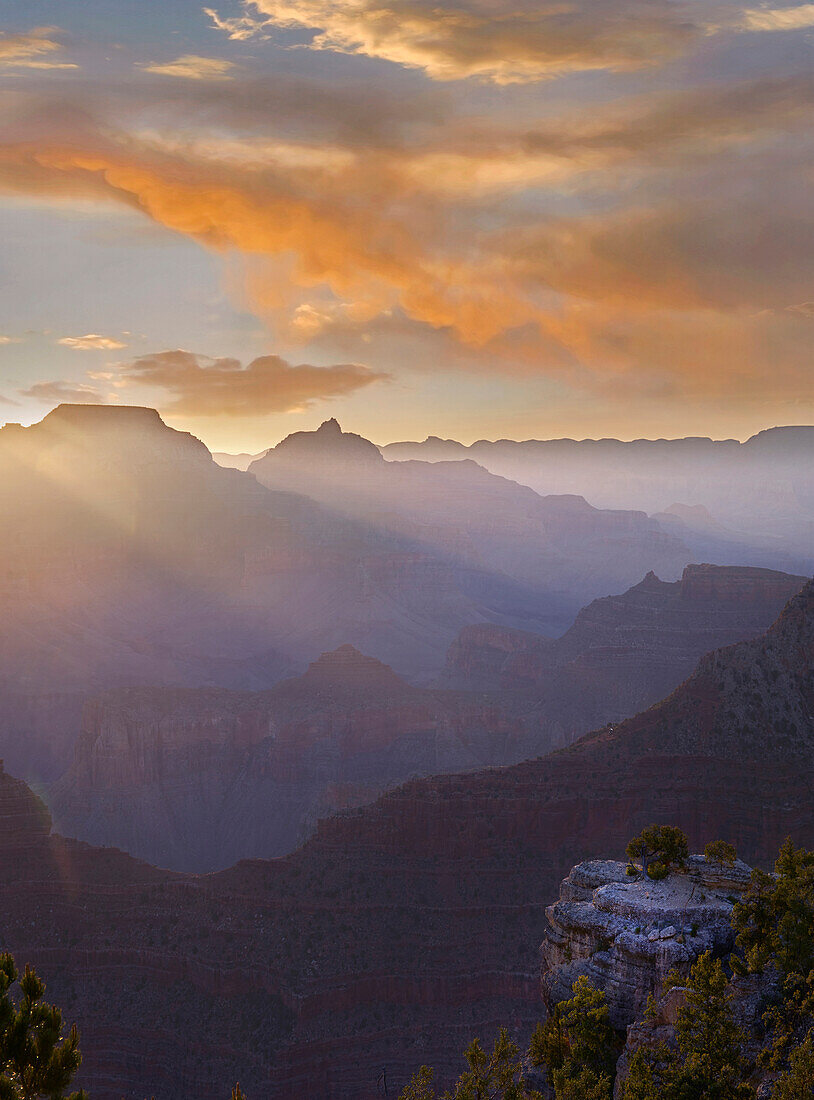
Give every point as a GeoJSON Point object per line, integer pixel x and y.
{"type": "Point", "coordinates": [626, 934]}
{"type": "Point", "coordinates": [24, 820]}
{"type": "Point", "coordinates": [624, 652]}
{"type": "Point", "coordinates": [403, 928]}
{"type": "Point", "coordinates": [196, 779]}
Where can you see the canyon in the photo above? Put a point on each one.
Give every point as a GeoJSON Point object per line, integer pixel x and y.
{"type": "Point", "coordinates": [560, 549]}
{"type": "Point", "coordinates": [401, 928]}
{"type": "Point", "coordinates": [129, 559]}
{"type": "Point", "coordinates": [195, 779]}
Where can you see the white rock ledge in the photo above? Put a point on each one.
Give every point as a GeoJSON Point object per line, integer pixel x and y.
{"type": "Point", "coordinates": [627, 933]}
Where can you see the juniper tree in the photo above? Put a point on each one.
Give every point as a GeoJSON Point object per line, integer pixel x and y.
{"type": "Point", "coordinates": [797, 1083]}
{"type": "Point", "coordinates": [720, 852]}
{"type": "Point", "coordinates": [658, 844]}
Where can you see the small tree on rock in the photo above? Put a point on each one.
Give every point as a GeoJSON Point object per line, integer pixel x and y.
{"type": "Point", "coordinates": [720, 852]}
{"type": "Point", "coordinates": [665, 845]}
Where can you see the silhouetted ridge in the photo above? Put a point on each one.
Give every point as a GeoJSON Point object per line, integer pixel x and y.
{"type": "Point", "coordinates": [327, 444]}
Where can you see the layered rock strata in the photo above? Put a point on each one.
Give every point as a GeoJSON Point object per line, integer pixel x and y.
{"type": "Point", "coordinates": [626, 933]}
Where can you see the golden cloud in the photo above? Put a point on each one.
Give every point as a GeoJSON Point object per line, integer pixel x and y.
{"type": "Point", "coordinates": [238, 28]}
{"type": "Point", "coordinates": [500, 42]}
{"type": "Point", "coordinates": [794, 18]}
{"type": "Point", "coordinates": [199, 386]}
{"type": "Point", "coordinates": [192, 67]}
{"type": "Point", "coordinates": [33, 50]}
{"type": "Point", "coordinates": [91, 342]}
{"type": "Point", "coordinates": [356, 239]}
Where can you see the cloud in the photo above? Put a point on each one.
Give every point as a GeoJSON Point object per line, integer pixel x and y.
{"type": "Point", "coordinates": [92, 342]}
{"type": "Point", "coordinates": [703, 254]}
{"type": "Point", "coordinates": [238, 28]}
{"type": "Point", "coordinates": [192, 67]}
{"type": "Point", "coordinates": [10, 340]}
{"type": "Point", "coordinates": [795, 18]}
{"type": "Point", "coordinates": [197, 385]}
{"type": "Point", "coordinates": [32, 50]}
{"type": "Point", "coordinates": [689, 212]}
{"type": "Point", "coordinates": [804, 309]}
{"type": "Point", "coordinates": [503, 42]}
{"type": "Point", "coordinates": [73, 393]}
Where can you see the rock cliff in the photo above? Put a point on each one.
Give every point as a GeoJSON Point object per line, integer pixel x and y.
{"type": "Point", "coordinates": [762, 489]}
{"type": "Point", "coordinates": [128, 557]}
{"type": "Point", "coordinates": [623, 653]}
{"type": "Point", "coordinates": [627, 933]}
{"type": "Point", "coordinates": [196, 779]}
{"type": "Point", "coordinates": [559, 549]}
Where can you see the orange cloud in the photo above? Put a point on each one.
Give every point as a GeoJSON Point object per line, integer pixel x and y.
{"type": "Point", "coordinates": [695, 216]}
{"type": "Point", "coordinates": [199, 386]}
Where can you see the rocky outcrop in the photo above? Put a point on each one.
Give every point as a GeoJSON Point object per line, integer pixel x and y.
{"type": "Point", "coordinates": [626, 933]}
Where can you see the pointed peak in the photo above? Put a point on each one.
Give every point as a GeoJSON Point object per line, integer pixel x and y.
{"type": "Point", "coordinates": [328, 444]}
{"type": "Point", "coordinates": [348, 666]}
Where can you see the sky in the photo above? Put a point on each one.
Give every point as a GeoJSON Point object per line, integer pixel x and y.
{"type": "Point", "coordinates": [464, 218]}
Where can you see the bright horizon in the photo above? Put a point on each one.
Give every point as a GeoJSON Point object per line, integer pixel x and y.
{"type": "Point", "coordinates": [311, 423]}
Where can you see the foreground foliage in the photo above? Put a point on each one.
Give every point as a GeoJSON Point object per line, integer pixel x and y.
{"type": "Point", "coordinates": [706, 1057]}
{"type": "Point", "coordinates": [36, 1058]}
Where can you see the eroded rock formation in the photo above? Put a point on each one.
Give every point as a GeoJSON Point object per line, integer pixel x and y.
{"type": "Point", "coordinates": [197, 779]}
{"type": "Point", "coordinates": [623, 652]}
{"type": "Point", "coordinates": [626, 933]}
